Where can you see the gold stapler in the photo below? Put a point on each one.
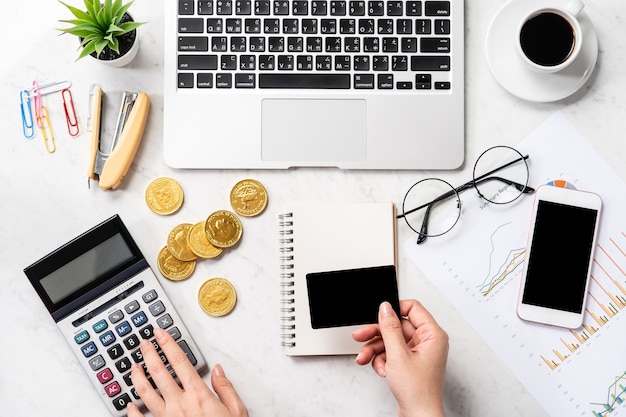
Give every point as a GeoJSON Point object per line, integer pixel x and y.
{"type": "Point", "coordinates": [109, 168]}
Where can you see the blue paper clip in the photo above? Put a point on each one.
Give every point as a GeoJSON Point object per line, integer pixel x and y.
{"type": "Point", "coordinates": [28, 126]}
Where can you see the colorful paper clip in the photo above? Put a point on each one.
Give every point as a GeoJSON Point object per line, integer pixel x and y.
{"type": "Point", "coordinates": [70, 112]}
{"type": "Point", "coordinates": [110, 168]}
{"type": "Point", "coordinates": [46, 130]}
{"type": "Point", "coordinates": [28, 125]}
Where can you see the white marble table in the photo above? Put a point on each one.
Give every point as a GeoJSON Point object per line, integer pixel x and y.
{"type": "Point", "coordinates": [46, 201]}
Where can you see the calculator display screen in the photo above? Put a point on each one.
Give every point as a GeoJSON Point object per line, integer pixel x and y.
{"type": "Point", "coordinates": [86, 268]}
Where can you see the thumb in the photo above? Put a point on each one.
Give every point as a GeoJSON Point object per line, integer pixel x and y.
{"type": "Point", "coordinates": [226, 392]}
{"type": "Point", "coordinates": [391, 330]}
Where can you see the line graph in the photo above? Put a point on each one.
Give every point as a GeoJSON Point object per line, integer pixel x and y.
{"type": "Point", "coordinates": [614, 396]}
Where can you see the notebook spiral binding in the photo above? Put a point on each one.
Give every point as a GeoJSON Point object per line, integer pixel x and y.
{"type": "Point", "coordinates": [287, 310]}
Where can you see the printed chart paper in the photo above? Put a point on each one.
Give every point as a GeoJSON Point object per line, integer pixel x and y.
{"type": "Point", "coordinates": [478, 266]}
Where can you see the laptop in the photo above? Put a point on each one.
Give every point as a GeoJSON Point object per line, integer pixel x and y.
{"type": "Point", "coordinates": [365, 85]}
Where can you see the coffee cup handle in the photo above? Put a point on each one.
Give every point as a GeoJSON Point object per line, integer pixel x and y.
{"type": "Point", "coordinates": [574, 7]}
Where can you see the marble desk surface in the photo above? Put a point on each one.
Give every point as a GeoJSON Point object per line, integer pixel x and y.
{"type": "Point", "coordinates": [46, 202]}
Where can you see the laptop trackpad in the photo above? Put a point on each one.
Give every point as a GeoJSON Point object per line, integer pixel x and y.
{"type": "Point", "coordinates": [314, 130]}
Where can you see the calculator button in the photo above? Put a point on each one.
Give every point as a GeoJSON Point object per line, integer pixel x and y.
{"type": "Point", "coordinates": [134, 392]}
{"type": "Point", "coordinates": [137, 356]}
{"type": "Point", "coordinates": [105, 376]}
{"type": "Point", "coordinates": [121, 402]}
{"type": "Point", "coordinates": [122, 365]}
{"type": "Point", "coordinates": [115, 351]}
{"type": "Point", "coordinates": [165, 321]}
{"type": "Point", "coordinates": [131, 307]}
{"type": "Point", "coordinates": [147, 332]}
{"type": "Point", "coordinates": [150, 296]}
{"type": "Point", "coordinates": [185, 347]}
{"type": "Point", "coordinates": [100, 326]}
{"type": "Point", "coordinates": [175, 333]}
{"type": "Point", "coordinates": [107, 338]}
{"type": "Point", "coordinates": [96, 362]}
{"type": "Point", "coordinates": [116, 316]}
{"type": "Point", "coordinates": [139, 319]}
{"type": "Point", "coordinates": [128, 380]}
{"type": "Point", "coordinates": [123, 328]}
{"type": "Point", "coordinates": [131, 342]}
{"type": "Point", "coordinates": [113, 389]}
{"type": "Point", "coordinates": [81, 337]}
{"type": "Point", "coordinates": [89, 349]}
{"type": "Point", "coordinates": [157, 308]}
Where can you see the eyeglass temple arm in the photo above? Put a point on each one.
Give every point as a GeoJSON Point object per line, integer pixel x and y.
{"type": "Point", "coordinates": [423, 234]}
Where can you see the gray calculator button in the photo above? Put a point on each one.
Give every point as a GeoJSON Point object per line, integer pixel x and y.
{"type": "Point", "coordinates": [165, 321]}
{"type": "Point", "coordinates": [116, 316]}
{"type": "Point", "coordinates": [185, 347]}
{"type": "Point", "coordinates": [150, 296]}
{"type": "Point", "coordinates": [157, 308]}
{"type": "Point", "coordinates": [175, 333]}
{"type": "Point", "coordinates": [131, 307]}
{"type": "Point", "coordinates": [96, 362]}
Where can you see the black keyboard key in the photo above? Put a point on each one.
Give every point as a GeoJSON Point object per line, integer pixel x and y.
{"type": "Point", "coordinates": [422, 27]}
{"type": "Point", "coordinates": [218, 44]}
{"type": "Point", "coordinates": [413, 8]}
{"type": "Point", "coordinates": [185, 7]}
{"type": "Point", "coordinates": [233, 25]}
{"type": "Point", "coordinates": [442, 85]}
{"type": "Point", "coordinates": [309, 26]}
{"type": "Point", "coordinates": [337, 8]}
{"type": "Point", "coordinates": [262, 8]}
{"type": "Point", "coordinates": [197, 62]}
{"type": "Point", "coordinates": [408, 45]}
{"type": "Point", "coordinates": [224, 7]}
{"type": "Point", "coordinates": [300, 8]}
{"type": "Point", "coordinates": [286, 62]}
{"type": "Point", "coordinates": [439, 45]}
{"type": "Point", "coordinates": [380, 63]}
{"type": "Point", "coordinates": [304, 62]}
{"type": "Point", "coordinates": [376, 8]}
{"type": "Point", "coordinates": [245, 80]}
{"type": "Point", "coordinates": [304, 81]}
{"type": "Point", "coordinates": [394, 8]}
{"type": "Point", "coordinates": [214, 25]}
{"type": "Point", "coordinates": [190, 25]}
{"type": "Point", "coordinates": [205, 7]}
{"type": "Point", "coordinates": [442, 27]}
{"type": "Point", "coordinates": [357, 8]}
{"type": "Point", "coordinates": [267, 62]}
{"type": "Point", "coordinates": [363, 81]}
{"type": "Point", "coordinates": [437, 8]}
{"type": "Point", "coordinates": [281, 8]}
{"type": "Point", "coordinates": [223, 80]}
{"type": "Point", "coordinates": [205, 80]}
{"type": "Point", "coordinates": [423, 81]}
{"type": "Point", "coordinates": [252, 25]}
{"type": "Point", "coordinates": [243, 7]}
{"type": "Point", "coordinates": [385, 81]}
{"type": "Point", "coordinates": [193, 43]}
{"type": "Point", "coordinates": [404, 85]}
{"type": "Point", "coordinates": [319, 8]}
{"type": "Point", "coordinates": [185, 80]}
{"type": "Point", "coordinates": [430, 63]}
{"type": "Point", "coordinates": [228, 62]}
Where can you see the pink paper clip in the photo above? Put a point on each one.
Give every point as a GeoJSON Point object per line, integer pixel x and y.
{"type": "Point", "coordinates": [38, 104]}
{"type": "Point", "coordinates": [70, 112]}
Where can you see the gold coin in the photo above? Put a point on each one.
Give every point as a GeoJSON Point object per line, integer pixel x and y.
{"type": "Point", "coordinates": [164, 196]}
{"type": "Point", "coordinates": [177, 242]}
{"type": "Point", "coordinates": [223, 228]}
{"type": "Point", "coordinates": [199, 243]}
{"type": "Point", "coordinates": [217, 297]}
{"type": "Point", "coordinates": [173, 268]}
{"type": "Point", "coordinates": [248, 197]}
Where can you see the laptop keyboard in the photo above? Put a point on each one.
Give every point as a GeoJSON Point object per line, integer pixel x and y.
{"type": "Point", "coordinates": [324, 45]}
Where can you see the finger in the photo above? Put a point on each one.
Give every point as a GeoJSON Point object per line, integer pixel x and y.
{"type": "Point", "coordinates": [391, 330]}
{"type": "Point", "coordinates": [379, 364]}
{"type": "Point", "coordinates": [369, 350]}
{"type": "Point", "coordinates": [226, 392]}
{"type": "Point", "coordinates": [146, 392]}
{"type": "Point", "coordinates": [366, 333]}
{"type": "Point", "coordinates": [133, 410]}
{"type": "Point", "coordinates": [157, 370]}
{"type": "Point", "coordinates": [177, 358]}
{"type": "Point", "coordinates": [416, 313]}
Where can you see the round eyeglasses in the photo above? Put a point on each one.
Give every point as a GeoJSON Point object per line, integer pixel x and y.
{"type": "Point", "coordinates": [432, 207]}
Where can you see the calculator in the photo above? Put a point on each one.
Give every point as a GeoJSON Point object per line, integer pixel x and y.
{"type": "Point", "coordinates": [105, 298]}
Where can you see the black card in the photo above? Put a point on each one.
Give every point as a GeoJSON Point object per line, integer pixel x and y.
{"type": "Point", "coordinates": [352, 296]}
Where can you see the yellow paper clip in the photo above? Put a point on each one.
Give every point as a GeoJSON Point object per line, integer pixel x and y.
{"type": "Point", "coordinates": [46, 130]}
{"type": "Point", "coordinates": [110, 168]}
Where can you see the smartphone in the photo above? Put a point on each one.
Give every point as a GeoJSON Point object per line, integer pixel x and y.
{"type": "Point", "coordinates": [559, 253]}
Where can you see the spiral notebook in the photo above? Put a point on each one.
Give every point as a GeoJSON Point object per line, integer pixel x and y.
{"type": "Point", "coordinates": [338, 263]}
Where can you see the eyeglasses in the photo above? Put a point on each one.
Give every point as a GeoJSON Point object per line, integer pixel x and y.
{"type": "Point", "coordinates": [432, 207]}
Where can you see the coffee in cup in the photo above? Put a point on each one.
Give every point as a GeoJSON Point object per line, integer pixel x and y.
{"type": "Point", "coordinates": [550, 38]}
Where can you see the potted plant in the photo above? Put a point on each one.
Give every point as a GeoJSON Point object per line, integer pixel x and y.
{"type": "Point", "coordinates": [106, 31]}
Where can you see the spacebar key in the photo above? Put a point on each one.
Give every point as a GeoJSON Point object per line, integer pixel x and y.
{"type": "Point", "coordinates": [319, 81]}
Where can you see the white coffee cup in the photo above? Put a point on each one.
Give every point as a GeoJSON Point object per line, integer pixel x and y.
{"type": "Point", "coordinates": [549, 38]}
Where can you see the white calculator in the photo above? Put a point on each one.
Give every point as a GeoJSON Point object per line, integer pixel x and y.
{"type": "Point", "coordinates": [105, 298]}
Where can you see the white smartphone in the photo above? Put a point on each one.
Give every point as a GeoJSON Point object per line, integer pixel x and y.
{"type": "Point", "coordinates": [559, 253]}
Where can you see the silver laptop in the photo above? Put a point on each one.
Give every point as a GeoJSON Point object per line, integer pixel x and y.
{"type": "Point", "coordinates": [347, 84]}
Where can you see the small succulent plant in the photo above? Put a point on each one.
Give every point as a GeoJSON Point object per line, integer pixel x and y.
{"type": "Point", "coordinates": [99, 25]}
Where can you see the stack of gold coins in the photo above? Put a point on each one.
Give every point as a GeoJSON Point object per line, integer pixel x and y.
{"type": "Point", "coordinates": [188, 242]}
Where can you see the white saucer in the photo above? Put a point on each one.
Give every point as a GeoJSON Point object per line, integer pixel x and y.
{"type": "Point", "coordinates": [513, 73]}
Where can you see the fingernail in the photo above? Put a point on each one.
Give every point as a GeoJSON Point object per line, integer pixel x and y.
{"type": "Point", "coordinates": [218, 370]}
{"type": "Point", "coordinates": [159, 333]}
{"type": "Point", "coordinates": [358, 357]}
{"type": "Point", "coordinates": [385, 309]}
{"type": "Point", "coordinates": [144, 344]}
{"type": "Point", "coordinates": [381, 372]}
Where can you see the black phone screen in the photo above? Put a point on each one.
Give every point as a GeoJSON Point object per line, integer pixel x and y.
{"type": "Point", "coordinates": [559, 256]}
{"type": "Point", "coordinates": [349, 297]}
